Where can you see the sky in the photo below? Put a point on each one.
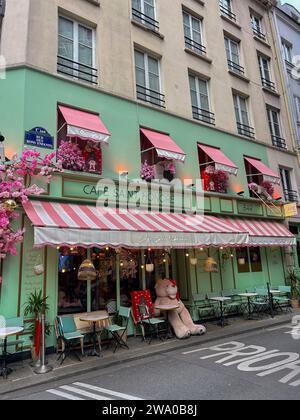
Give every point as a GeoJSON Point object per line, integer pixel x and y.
{"type": "Point", "coordinates": [295, 3]}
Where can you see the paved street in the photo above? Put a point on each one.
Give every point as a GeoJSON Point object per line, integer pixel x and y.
{"type": "Point", "coordinates": [218, 371]}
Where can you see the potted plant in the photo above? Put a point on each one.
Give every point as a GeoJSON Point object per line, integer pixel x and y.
{"type": "Point", "coordinates": [147, 172]}
{"type": "Point", "coordinates": [36, 306]}
{"type": "Point", "coordinates": [293, 280]}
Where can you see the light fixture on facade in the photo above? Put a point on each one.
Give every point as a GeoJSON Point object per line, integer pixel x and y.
{"type": "Point", "coordinates": [241, 193]}
{"type": "Point", "coordinates": [123, 174]}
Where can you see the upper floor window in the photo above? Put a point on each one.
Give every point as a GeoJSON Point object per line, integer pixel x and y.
{"type": "Point", "coordinates": [286, 180]}
{"type": "Point", "coordinates": [233, 56]}
{"type": "Point", "coordinates": [144, 11]}
{"type": "Point", "coordinates": [275, 128]}
{"type": "Point", "coordinates": [227, 10]}
{"type": "Point", "coordinates": [287, 51]}
{"type": "Point", "coordinates": [193, 33]}
{"type": "Point", "coordinates": [257, 26]}
{"type": "Point", "coordinates": [200, 100]}
{"type": "Point", "coordinates": [148, 82]}
{"type": "Point", "coordinates": [76, 51]}
{"type": "Point", "coordinates": [242, 116]}
{"type": "Point", "coordinates": [297, 102]}
{"type": "Point", "coordinates": [265, 72]}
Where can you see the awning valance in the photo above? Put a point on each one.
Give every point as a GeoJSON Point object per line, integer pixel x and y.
{"type": "Point", "coordinates": [164, 145]}
{"type": "Point", "coordinates": [262, 169]}
{"type": "Point", "coordinates": [221, 161]}
{"type": "Point", "coordinates": [85, 125]}
{"type": "Point", "coordinates": [264, 232]}
{"type": "Point", "coordinates": [58, 224]}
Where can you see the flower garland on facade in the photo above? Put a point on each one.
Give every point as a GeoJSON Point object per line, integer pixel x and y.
{"type": "Point", "coordinates": [15, 193]}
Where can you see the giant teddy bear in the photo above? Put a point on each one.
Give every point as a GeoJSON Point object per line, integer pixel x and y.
{"type": "Point", "coordinates": [180, 319]}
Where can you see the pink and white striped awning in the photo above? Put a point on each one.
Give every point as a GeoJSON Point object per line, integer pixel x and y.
{"type": "Point", "coordinates": [80, 225]}
{"type": "Point", "coordinates": [264, 232]}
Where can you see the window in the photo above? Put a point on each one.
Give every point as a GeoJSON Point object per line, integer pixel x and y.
{"type": "Point", "coordinates": [265, 72]}
{"type": "Point", "coordinates": [200, 100]}
{"type": "Point", "coordinates": [275, 128]}
{"type": "Point", "coordinates": [287, 51]}
{"type": "Point", "coordinates": [148, 83]}
{"type": "Point", "coordinates": [249, 260]}
{"type": "Point", "coordinates": [226, 9]}
{"type": "Point", "coordinates": [143, 11]}
{"type": "Point", "coordinates": [257, 26]}
{"type": "Point", "coordinates": [233, 56]}
{"type": "Point", "coordinates": [297, 102]}
{"type": "Point", "coordinates": [76, 51]}
{"type": "Point", "coordinates": [289, 193]}
{"type": "Point", "coordinates": [242, 116]}
{"type": "Point", "coordinates": [193, 33]}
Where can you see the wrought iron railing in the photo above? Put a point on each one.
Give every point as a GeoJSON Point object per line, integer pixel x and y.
{"type": "Point", "coordinates": [278, 142]}
{"type": "Point", "coordinates": [194, 46]}
{"type": "Point", "coordinates": [236, 68]}
{"type": "Point", "coordinates": [268, 84]}
{"type": "Point", "coordinates": [227, 12]}
{"type": "Point", "coordinates": [204, 115]}
{"type": "Point", "coordinates": [77, 70]}
{"type": "Point", "coordinates": [245, 130]}
{"type": "Point", "coordinates": [291, 195]}
{"type": "Point", "coordinates": [149, 95]}
{"type": "Point", "coordinates": [145, 20]}
{"type": "Point", "coordinates": [259, 34]}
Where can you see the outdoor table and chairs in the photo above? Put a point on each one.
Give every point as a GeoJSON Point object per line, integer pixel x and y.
{"type": "Point", "coordinates": [4, 334]}
{"type": "Point", "coordinates": [249, 297]}
{"type": "Point", "coordinates": [167, 308]}
{"type": "Point", "coordinates": [221, 300]}
{"type": "Point", "coordinates": [94, 319]}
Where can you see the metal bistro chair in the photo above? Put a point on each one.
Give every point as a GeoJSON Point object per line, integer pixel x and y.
{"type": "Point", "coordinates": [151, 324]}
{"type": "Point", "coordinates": [283, 301]}
{"type": "Point", "coordinates": [261, 304]}
{"type": "Point", "coordinates": [119, 332]}
{"type": "Point", "coordinates": [68, 333]}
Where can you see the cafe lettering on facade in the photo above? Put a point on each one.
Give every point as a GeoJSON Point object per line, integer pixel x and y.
{"type": "Point", "coordinates": [245, 235]}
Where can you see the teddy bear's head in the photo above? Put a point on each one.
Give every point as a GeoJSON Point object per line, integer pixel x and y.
{"type": "Point", "coordinates": [166, 288]}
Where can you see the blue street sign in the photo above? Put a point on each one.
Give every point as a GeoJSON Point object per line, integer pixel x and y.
{"type": "Point", "coordinates": [39, 137]}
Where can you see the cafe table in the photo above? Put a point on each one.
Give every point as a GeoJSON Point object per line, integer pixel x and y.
{"type": "Point", "coordinates": [167, 309]}
{"type": "Point", "coordinates": [4, 334]}
{"type": "Point", "coordinates": [94, 319]}
{"type": "Point", "coordinates": [249, 296]}
{"type": "Point", "coordinates": [221, 300]}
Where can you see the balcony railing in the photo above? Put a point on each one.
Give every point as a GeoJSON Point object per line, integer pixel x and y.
{"type": "Point", "coordinates": [194, 46]}
{"type": "Point", "coordinates": [204, 115]}
{"type": "Point", "coordinates": [77, 70]}
{"type": "Point", "coordinates": [278, 142]}
{"type": "Point", "coordinates": [236, 68]}
{"type": "Point", "coordinates": [259, 34]}
{"type": "Point", "coordinates": [227, 12]}
{"type": "Point", "coordinates": [268, 84]}
{"type": "Point", "coordinates": [149, 95]}
{"type": "Point", "coordinates": [145, 20]}
{"type": "Point", "coordinates": [246, 130]}
{"type": "Point", "coordinates": [291, 195]}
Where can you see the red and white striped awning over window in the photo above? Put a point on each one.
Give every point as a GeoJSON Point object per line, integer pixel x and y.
{"type": "Point", "coordinates": [164, 146]}
{"type": "Point", "coordinates": [59, 224]}
{"type": "Point", "coordinates": [264, 232]}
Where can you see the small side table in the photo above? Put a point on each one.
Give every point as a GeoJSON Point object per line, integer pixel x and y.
{"type": "Point", "coordinates": [167, 308]}
{"type": "Point", "coordinates": [249, 296]}
{"type": "Point", "coordinates": [221, 301]}
{"type": "Point", "coordinates": [4, 334]}
{"type": "Point", "coordinates": [94, 319]}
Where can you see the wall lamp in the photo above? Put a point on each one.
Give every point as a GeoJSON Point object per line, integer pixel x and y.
{"type": "Point", "coordinates": [123, 174]}
{"type": "Point", "coordinates": [241, 193]}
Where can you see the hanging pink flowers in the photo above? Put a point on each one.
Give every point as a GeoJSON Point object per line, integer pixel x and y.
{"type": "Point", "coordinates": [71, 156]}
{"type": "Point", "coordinates": [147, 171]}
{"type": "Point", "coordinates": [14, 192]}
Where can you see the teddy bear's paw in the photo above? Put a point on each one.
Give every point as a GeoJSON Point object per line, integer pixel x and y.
{"type": "Point", "coordinates": [200, 330]}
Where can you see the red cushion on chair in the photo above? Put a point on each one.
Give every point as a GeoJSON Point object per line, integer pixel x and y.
{"type": "Point", "coordinates": [141, 297]}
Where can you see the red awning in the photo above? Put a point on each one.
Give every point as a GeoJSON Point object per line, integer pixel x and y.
{"type": "Point", "coordinates": [263, 170]}
{"type": "Point", "coordinates": [264, 232]}
{"type": "Point", "coordinates": [85, 125]}
{"type": "Point", "coordinates": [79, 225]}
{"type": "Point", "coordinates": [221, 161]}
{"type": "Point", "coordinates": [164, 145]}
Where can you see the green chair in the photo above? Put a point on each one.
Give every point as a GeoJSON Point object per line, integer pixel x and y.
{"type": "Point", "coordinates": [231, 307]}
{"type": "Point", "coordinates": [205, 308]}
{"type": "Point", "coordinates": [68, 333]}
{"type": "Point", "coordinates": [150, 323]}
{"type": "Point", "coordinates": [119, 332]}
{"type": "Point", "coordinates": [14, 322]}
{"type": "Point", "coordinates": [283, 302]}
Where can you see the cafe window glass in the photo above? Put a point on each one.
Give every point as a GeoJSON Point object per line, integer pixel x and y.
{"type": "Point", "coordinates": [162, 268]}
{"type": "Point", "coordinates": [249, 260]}
{"type": "Point", "coordinates": [130, 275]}
{"type": "Point", "coordinates": [255, 260]}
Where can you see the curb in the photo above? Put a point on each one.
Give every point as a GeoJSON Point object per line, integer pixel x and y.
{"type": "Point", "coordinates": [55, 376]}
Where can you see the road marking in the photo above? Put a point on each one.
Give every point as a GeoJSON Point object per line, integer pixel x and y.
{"type": "Point", "coordinates": [64, 395]}
{"type": "Point", "coordinates": [84, 393]}
{"type": "Point", "coordinates": [107, 391]}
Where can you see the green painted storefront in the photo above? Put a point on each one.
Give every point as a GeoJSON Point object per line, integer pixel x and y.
{"type": "Point", "coordinates": [29, 98]}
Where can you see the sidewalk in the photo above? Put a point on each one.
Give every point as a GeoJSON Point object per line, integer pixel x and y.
{"type": "Point", "coordinates": [24, 377]}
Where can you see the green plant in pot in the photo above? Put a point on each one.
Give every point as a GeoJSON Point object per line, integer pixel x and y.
{"type": "Point", "coordinates": [36, 306]}
{"type": "Point", "coordinates": [293, 279]}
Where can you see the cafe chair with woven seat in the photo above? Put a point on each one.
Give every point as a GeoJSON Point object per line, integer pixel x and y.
{"type": "Point", "coordinates": [69, 336]}
{"type": "Point", "coordinates": [150, 324]}
{"type": "Point", "coordinates": [119, 332]}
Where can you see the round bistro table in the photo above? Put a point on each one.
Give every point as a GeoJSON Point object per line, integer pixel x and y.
{"type": "Point", "coordinates": [93, 319]}
{"type": "Point", "coordinates": [4, 334]}
{"type": "Point", "coordinates": [167, 308]}
{"type": "Point", "coordinates": [249, 296]}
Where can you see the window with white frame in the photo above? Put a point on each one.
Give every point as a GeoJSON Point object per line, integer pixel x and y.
{"type": "Point", "coordinates": [193, 33]}
{"type": "Point", "coordinates": [76, 50]}
{"type": "Point", "coordinates": [257, 26]}
{"type": "Point", "coordinates": [200, 99]}
{"type": "Point", "coordinates": [227, 10]}
{"type": "Point", "coordinates": [144, 11]}
{"type": "Point", "coordinates": [148, 82]}
{"type": "Point", "coordinates": [297, 103]}
{"type": "Point", "coordinates": [287, 51]}
{"type": "Point", "coordinates": [265, 72]}
{"type": "Point", "coordinates": [275, 127]}
{"type": "Point", "coordinates": [233, 55]}
{"type": "Point", "coordinates": [286, 180]}
{"type": "Point", "coordinates": [242, 116]}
